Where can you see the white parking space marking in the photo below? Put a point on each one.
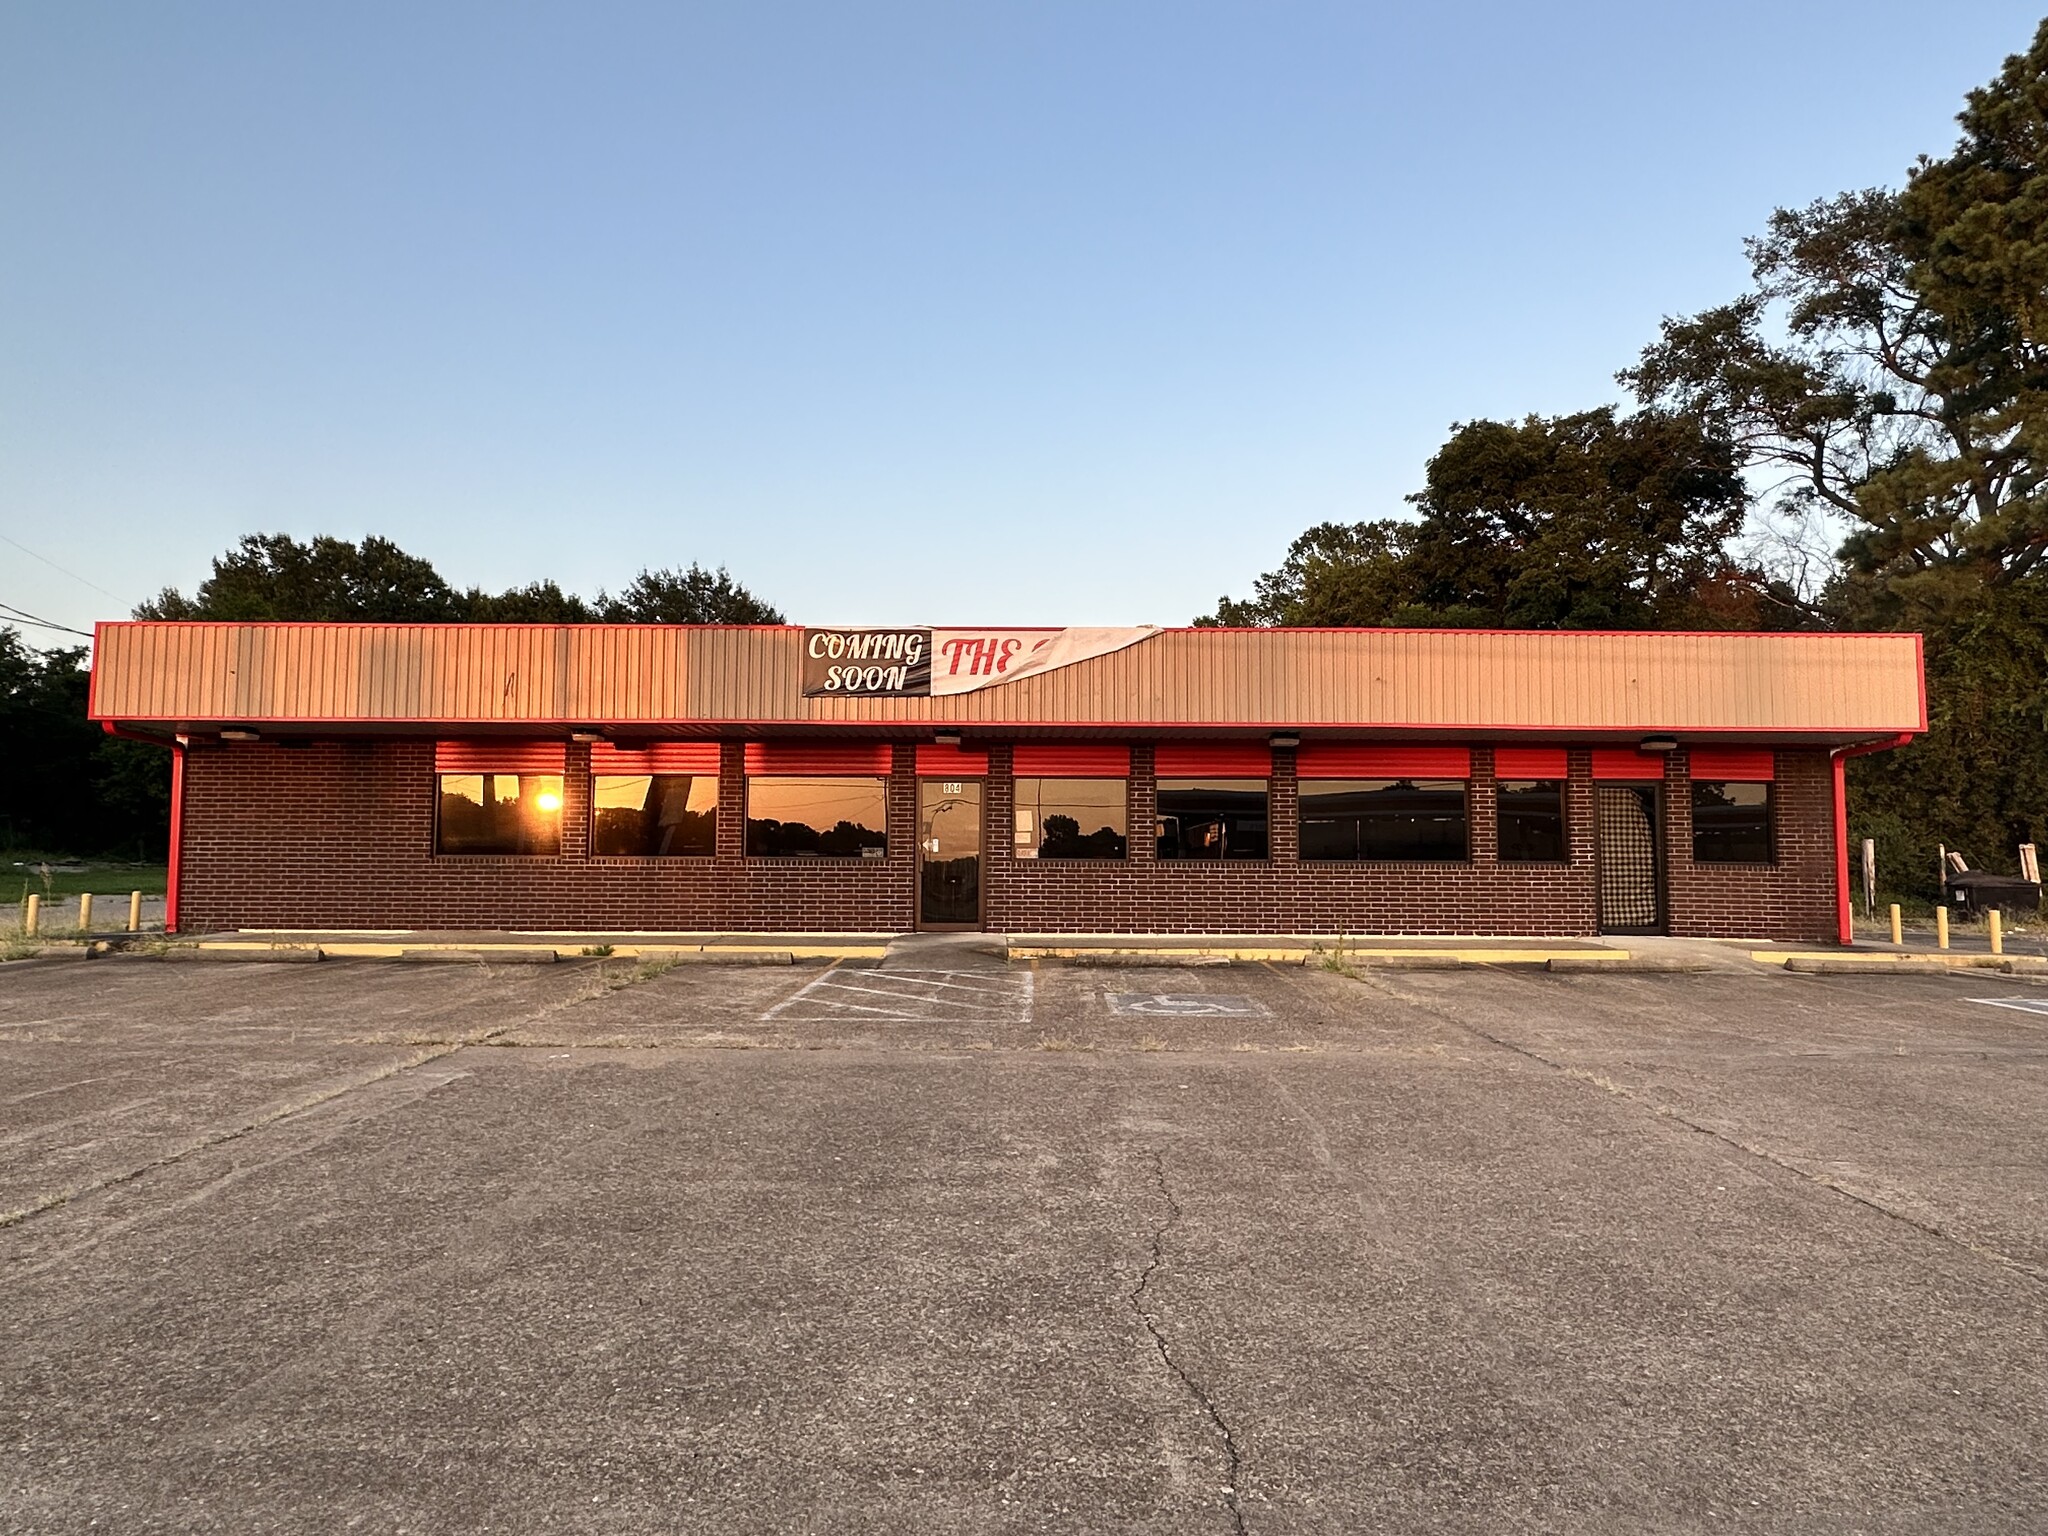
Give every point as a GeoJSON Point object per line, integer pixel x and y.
{"type": "Point", "coordinates": [924, 997]}
{"type": "Point", "coordinates": [1185, 1005]}
{"type": "Point", "coordinates": [2023, 1004]}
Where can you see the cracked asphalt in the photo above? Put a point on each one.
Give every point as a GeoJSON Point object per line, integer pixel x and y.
{"type": "Point", "coordinates": [948, 1247]}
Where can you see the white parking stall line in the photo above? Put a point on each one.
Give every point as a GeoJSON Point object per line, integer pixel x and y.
{"type": "Point", "coordinates": [1004, 1006]}
{"type": "Point", "coordinates": [2018, 1004]}
{"type": "Point", "coordinates": [910, 997]}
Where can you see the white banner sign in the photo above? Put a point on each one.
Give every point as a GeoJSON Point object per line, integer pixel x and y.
{"type": "Point", "coordinates": [966, 659]}
{"type": "Point", "coordinates": [884, 663]}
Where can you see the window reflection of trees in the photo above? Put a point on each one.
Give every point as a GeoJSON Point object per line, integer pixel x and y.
{"type": "Point", "coordinates": [1212, 819]}
{"type": "Point", "coordinates": [1530, 824]}
{"type": "Point", "coordinates": [661, 815]}
{"type": "Point", "coordinates": [817, 817]}
{"type": "Point", "coordinates": [1403, 820]}
{"type": "Point", "coordinates": [500, 813]}
{"type": "Point", "coordinates": [1051, 814]}
{"type": "Point", "coordinates": [1731, 822]}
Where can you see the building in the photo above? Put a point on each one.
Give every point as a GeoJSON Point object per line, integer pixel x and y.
{"type": "Point", "coordinates": [653, 778]}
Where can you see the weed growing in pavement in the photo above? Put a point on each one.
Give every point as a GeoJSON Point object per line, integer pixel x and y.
{"type": "Point", "coordinates": [1336, 958]}
{"type": "Point", "coordinates": [607, 979]}
{"type": "Point", "coordinates": [18, 947]}
{"type": "Point", "coordinates": [597, 951]}
{"type": "Point", "coordinates": [1151, 1043]}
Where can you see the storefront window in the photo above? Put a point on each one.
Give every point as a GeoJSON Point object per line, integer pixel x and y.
{"type": "Point", "coordinates": [518, 813]}
{"type": "Point", "coordinates": [1531, 821]}
{"type": "Point", "coordinates": [1731, 822]}
{"type": "Point", "coordinates": [1420, 820]}
{"type": "Point", "coordinates": [1212, 818]}
{"type": "Point", "coordinates": [1070, 818]}
{"type": "Point", "coordinates": [654, 815]}
{"type": "Point", "coordinates": [818, 818]}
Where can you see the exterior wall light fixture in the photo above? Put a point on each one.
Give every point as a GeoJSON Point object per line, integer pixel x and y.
{"type": "Point", "coordinates": [1286, 740]}
{"type": "Point", "coordinates": [240, 733]}
{"type": "Point", "coordinates": [1660, 744]}
{"type": "Point", "coordinates": [586, 734]}
{"type": "Point", "coordinates": [948, 738]}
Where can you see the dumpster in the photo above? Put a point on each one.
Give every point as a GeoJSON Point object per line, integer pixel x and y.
{"type": "Point", "coordinates": [1977, 893]}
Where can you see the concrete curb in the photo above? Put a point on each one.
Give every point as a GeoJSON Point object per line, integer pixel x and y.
{"type": "Point", "coordinates": [2007, 965]}
{"type": "Point", "coordinates": [1401, 963]}
{"type": "Point", "coordinates": [506, 956]}
{"type": "Point", "coordinates": [1626, 965]}
{"type": "Point", "coordinates": [1163, 959]}
{"type": "Point", "coordinates": [265, 954]}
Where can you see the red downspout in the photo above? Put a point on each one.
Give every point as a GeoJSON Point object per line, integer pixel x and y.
{"type": "Point", "coordinates": [177, 814]}
{"type": "Point", "coordinates": [1845, 917]}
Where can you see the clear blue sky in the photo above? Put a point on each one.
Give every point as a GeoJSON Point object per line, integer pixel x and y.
{"type": "Point", "coordinates": [950, 312]}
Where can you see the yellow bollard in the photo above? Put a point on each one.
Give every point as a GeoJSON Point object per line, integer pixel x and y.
{"type": "Point", "coordinates": [135, 911]}
{"type": "Point", "coordinates": [1940, 927]}
{"type": "Point", "coordinates": [1898, 935]}
{"type": "Point", "coordinates": [85, 911]}
{"type": "Point", "coordinates": [1997, 933]}
{"type": "Point", "coordinates": [33, 917]}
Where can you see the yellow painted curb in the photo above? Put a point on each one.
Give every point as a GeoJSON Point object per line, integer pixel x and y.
{"type": "Point", "coordinates": [1310, 956]}
{"type": "Point", "coordinates": [370, 951]}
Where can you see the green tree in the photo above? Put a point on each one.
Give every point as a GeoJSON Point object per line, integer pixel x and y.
{"type": "Point", "coordinates": [66, 786]}
{"type": "Point", "coordinates": [540, 602]}
{"type": "Point", "coordinates": [1888, 370]}
{"type": "Point", "coordinates": [1589, 521]}
{"type": "Point", "coordinates": [273, 576]}
{"type": "Point", "coordinates": [694, 596]}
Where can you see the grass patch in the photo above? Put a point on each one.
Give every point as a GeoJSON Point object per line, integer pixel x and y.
{"type": "Point", "coordinates": [596, 951]}
{"type": "Point", "coordinates": [608, 978]}
{"type": "Point", "coordinates": [19, 880]}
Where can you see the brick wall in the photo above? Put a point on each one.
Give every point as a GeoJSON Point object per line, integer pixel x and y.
{"type": "Point", "coordinates": [340, 834]}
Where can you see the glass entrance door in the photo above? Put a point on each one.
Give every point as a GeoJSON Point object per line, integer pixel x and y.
{"type": "Point", "coordinates": [949, 853]}
{"type": "Point", "coordinates": [1631, 874]}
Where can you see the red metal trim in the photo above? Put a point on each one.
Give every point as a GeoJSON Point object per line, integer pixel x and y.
{"type": "Point", "coordinates": [1742, 764]}
{"type": "Point", "coordinates": [935, 761]}
{"type": "Point", "coordinates": [1920, 671]}
{"type": "Point", "coordinates": [1166, 629]}
{"type": "Point", "coordinates": [1220, 759]}
{"type": "Point", "coordinates": [1845, 915]}
{"type": "Point", "coordinates": [820, 759]}
{"type": "Point", "coordinates": [174, 873]}
{"type": "Point", "coordinates": [1530, 763]}
{"type": "Point", "coordinates": [510, 756]}
{"type": "Point", "coordinates": [1874, 735]}
{"type": "Point", "coordinates": [1626, 763]}
{"type": "Point", "coordinates": [1070, 760]}
{"type": "Point", "coordinates": [655, 757]}
{"type": "Point", "coordinates": [1335, 762]}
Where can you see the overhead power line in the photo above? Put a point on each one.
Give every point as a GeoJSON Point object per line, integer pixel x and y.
{"type": "Point", "coordinates": [53, 565]}
{"type": "Point", "coordinates": [12, 614]}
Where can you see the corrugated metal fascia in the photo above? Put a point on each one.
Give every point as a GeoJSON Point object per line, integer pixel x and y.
{"type": "Point", "coordinates": [1395, 679]}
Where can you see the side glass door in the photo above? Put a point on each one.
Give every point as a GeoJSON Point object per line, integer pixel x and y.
{"type": "Point", "coordinates": [949, 853]}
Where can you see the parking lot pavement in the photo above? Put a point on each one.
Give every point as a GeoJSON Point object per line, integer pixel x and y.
{"type": "Point", "coordinates": [1926, 1096]}
{"type": "Point", "coordinates": [110, 1066]}
{"type": "Point", "coordinates": [1168, 1250]}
